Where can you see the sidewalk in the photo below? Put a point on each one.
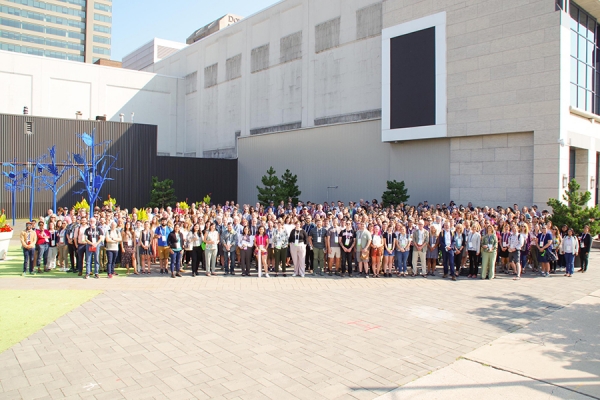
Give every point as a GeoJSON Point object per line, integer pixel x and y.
{"type": "Point", "coordinates": [556, 357]}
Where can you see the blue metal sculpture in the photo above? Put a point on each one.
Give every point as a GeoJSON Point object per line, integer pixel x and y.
{"type": "Point", "coordinates": [15, 184]}
{"type": "Point", "coordinates": [34, 176]}
{"type": "Point", "coordinates": [93, 165]}
{"type": "Point", "coordinates": [54, 173]}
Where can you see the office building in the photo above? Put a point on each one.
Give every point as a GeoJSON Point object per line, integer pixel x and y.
{"type": "Point", "coordinates": [76, 30]}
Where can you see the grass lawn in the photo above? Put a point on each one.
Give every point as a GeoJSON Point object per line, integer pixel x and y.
{"type": "Point", "coordinates": [24, 312]}
{"type": "Point", "coordinates": [12, 267]}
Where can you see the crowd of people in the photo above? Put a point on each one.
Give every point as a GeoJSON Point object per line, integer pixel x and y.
{"type": "Point", "coordinates": [362, 239]}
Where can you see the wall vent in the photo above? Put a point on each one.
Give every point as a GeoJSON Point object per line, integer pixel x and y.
{"type": "Point", "coordinates": [29, 127]}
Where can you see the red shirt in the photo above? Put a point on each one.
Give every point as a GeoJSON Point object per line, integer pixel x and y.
{"type": "Point", "coordinates": [40, 239]}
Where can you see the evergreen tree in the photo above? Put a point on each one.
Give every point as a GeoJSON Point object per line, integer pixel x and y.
{"type": "Point", "coordinates": [395, 194]}
{"type": "Point", "coordinates": [270, 187]}
{"type": "Point", "coordinates": [575, 214]}
{"type": "Point", "coordinates": [162, 193]}
{"type": "Point", "coordinates": [289, 187]}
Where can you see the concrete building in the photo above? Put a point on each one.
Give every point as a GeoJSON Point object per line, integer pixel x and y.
{"type": "Point", "coordinates": [213, 27]}
{"type": "Point", "coordinates": [484, 101]}
{"type": "Point", "coordinates": [76, 30]}
{"type": "Point", "coordinates": [153, 51]}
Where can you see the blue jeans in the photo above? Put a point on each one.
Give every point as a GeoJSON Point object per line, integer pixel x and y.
{"type": "Point", "coordinates": [175, 261]}
{"type": "Point", "coordinates": [570, 261]}
{"type": "Point", "coordinates": [448, 258]}
{"type": "Point", "coordinates": [229, 257]}
{"type": "Point", "coordinates": [88, 259]}
{"type": "Point", "coordinates": [80, 255]}
{"type": "Point", "coordinates": [28, 255]}
{"type": "Point", "coordinates": [401, 259]}
{"type": "Point", "coordinates": [112, 258]}
{"type": "Point", "coordinates": [42, 254]}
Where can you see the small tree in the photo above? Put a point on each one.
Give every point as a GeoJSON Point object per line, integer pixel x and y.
{"type": "Point", "coordinates": [395, 194]}
{"type": "Point", "coordinates": [575, 213]}
{"type": "Point", "coordinates": [162, 194]}
{"type": "Point", "coordinates": [288, 187]}
{"type": "Point", "coordinates": [269, 191]}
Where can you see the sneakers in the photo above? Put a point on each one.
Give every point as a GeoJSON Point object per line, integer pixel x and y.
{"type": "Point", "coordinates": [86, 276]}
{"type": "Point", "coordinates": [96, 276]}
{"type": "Point", "coordinates": [267, 276]}
{"type": "Point", "coordinates": [294, 275]}
{"type": "Point", "coordinates": [110, 276]}
{"type": "Point", "coordinates": [178, 275]}
{"type": "Point", "coordinates": [172, 275]}
{"type": "Point", "coordinates": [24, 273]}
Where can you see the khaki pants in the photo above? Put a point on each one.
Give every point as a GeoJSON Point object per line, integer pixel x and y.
{"type": "Point", "coordinates": [487, 264]}
{"type": "Point", "coordinates": [419, 255]}
{"type": "Point", "coordinates": [319, 261]}
{"type": "Point", "coordinates": [298, 253]}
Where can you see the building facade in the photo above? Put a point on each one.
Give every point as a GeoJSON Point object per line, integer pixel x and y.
{"type": "Point", "coordinates": [477, 101]}
{"type": "Point", "coordinates": [153, 51]}
{"type": "Point", "coordinates": [76, 30]}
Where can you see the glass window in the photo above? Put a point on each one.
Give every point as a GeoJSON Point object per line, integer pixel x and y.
{"type": "Point", "coordinates": [102, 7]}
{"type": "Point", "coordinates": [101, 28]}
{"type": "Point", "coordinates": [101, 39]}
{"type": "Point", "coordinates": [101, 50]}
{"type": "Point", "coordinates": [584, 60]}
{"type": "Point", "coordinates": [102, 18]}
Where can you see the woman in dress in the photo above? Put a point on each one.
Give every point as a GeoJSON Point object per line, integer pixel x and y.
{"type": "Point", "coordinates": [544, 243]}
{"type": "Point", "coordinates": [128, 248]}
{"type": "Point", "coordinates": [556, 244]}
{"type": "Point", "coordinates": [261, 241]}
{"type": "Point", "coordinates": [432, 250]}
{"type": "Point", "coordinates": [154, 246]}
{"type": "Point", "coordinates": [145, 247]}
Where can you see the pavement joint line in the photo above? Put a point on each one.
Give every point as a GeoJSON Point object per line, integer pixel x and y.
{"type": "Point", "coordinates": [530, 377]}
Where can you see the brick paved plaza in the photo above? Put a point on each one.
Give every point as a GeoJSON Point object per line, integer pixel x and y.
{"type": "Point", "coordinates": [278, 338]}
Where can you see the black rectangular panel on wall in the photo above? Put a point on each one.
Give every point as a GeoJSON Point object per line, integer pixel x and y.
{"type": "Point", "coordinates": [412, 79]}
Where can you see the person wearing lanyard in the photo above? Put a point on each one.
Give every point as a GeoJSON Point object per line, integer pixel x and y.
{"type": "Point", "coordinates": [363, 245]}
{"type": "Point", "coordinates": [316, 241]}
{"type": "Point", "coordinates": [298, 240]}
{"type": "Point", "coordinates": [271, 248]}
{"type": "Point", "coordinates": [229, 241]}
{"type": "Point", "coordinates": [245, 243]}
{"type": "Point", "coordinates": [420, 239]}
{"type": "Point", "coordinates": [489, 246]}
{"type": "Point", "coordinates": [333, 247]}
{"type": "Point", "coordinates": [347, 242]}
{"type": "Point", "coordinates": [113, 238]}
{"type": "Point", "coordinates": [473, 249]}
{"type": "Point", "coordinates": [211, 237]}
{"type": "Point", "coordinates": [280, 241]}
{"type": "Point", "coordinates": [128, 248]}
{"type": "Point", "coordinates": [447, 245]}
{"type": "Point", "coordinates": [515, 243]}
{"type": "Point", "coordinates": [79, 239]}
{"type": "Point", "coordinates": [309, 257]}
{"type": "Point", "coordinates": [569, 247]}
{"type": "Point", "coordinates": [52, 246]}
{"type": "Point", "coordinates": [42, 246]}
{"type": "Point", "coordinates": [389, 243]}
{"type": "Point", "coordinates": [28, 241]}
{"type": "Point", "coordinates": [544, 242]}
{"type": "Point", "coordinates": [164, 253]}
{"type": "Point", "coordinates": [376, 250]}
{"type": "Point", "coordinates": [402, 250]}
{"type": "Point", "coordinates": [261, 241]}
{"type": "Point", "coordinates": [585, 244]}
{"type": "Point", "coordinates": [63, 249]}
{"type": "Point", "coordinates": [93, 238]}
{"type": "Point", "coordinates": [145, 250]}
{"type": "Point", "coordinates": [459, 246]}
{"type": "Point", "coordinates": [175, 243]}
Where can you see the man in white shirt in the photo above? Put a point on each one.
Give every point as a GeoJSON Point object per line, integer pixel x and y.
{"type": "Point", "coordinates": [420, 239]}
{"type": "Point", "coordinates": [515, 244]}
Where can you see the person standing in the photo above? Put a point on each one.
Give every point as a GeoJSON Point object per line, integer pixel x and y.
{"type": "Point", "coordinates": [229, 241]}
{"type": "Point", "coordinates": [211, 238]}
{"type": "Point", "coordinates": [333, 247]}
{"type": "Point", "coordinates": [474, 248]}
{"type": "Point", "coordinates": [197, 253]}
{"type": "Point", "coordinates": [113, 238]}
{"type": "Point", "coordinates": [309, 256]}
{"type": "Point", "coordinates": [42, 246]}
{"type": "Point", "coordinates": [298, 240]}
{"type": "Point", "coordinates": [175, 243]}
{"type": "Point", "coordinates": [280, 243]}
{"type": "Point", "coordinates": [389, 243]}
{"type": "Point", "coordinates": [145, 248]}
{"type": "Point", "coordinates": [79, 239]}
{"type": "Point", "coordinates": [347, 243]}
{"type": "Point", "coordinates": [569, 247]}
{"type": "Point", "coordinates": [261, 242]}
{"type": "Point", "coordinates": [52, 246]}
{"type": "Point", "coordinates": [489, 246]}
{"type": "Point", "coordinates": [515, 244]}
{"type": "Point", "coordinates": [544, 243]}
{"type": "Point", "coordinates": [245, 243]}
{"type": "Point", "coordinates": [128, 248]}
{"type": "Point", "coordinates": [585, 244]}
{"type": "Point", "coordinates": [432, 250]}
{"type": "Point", "coordinates": [93, 238]}
{"type": "Point", "coordinates": [459, 246]}
{"type": "Point", "coordinates": [161, 233]}
{"type": "Point", "coordinates": [28, 241]}
{"type": "Point", "coordinates": [363, 245]}
{"type": "Point", "coordinates": [447, 245]}
{"type": "Point", "coordinates": [316, 241]}
{"type": "Point", "coordinates": [420, 240]}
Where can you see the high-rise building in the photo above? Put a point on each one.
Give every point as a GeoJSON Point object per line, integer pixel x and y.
{"type": "Point", "coordinates": [77, 30]}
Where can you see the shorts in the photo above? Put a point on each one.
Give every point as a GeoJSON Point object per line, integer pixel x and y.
{"type": "Point", "coordinates": [376, 251]}
{"type": "Point", "coordinates": [334, 252]}
{"type": "Point", "coordinates": [388, 253]}
{"type": "Point", "coordinates": [359, 257]}
{"type": "Point", "coordinates": [164, 252]}
{"type": "Point", "coordinates": [515, 257]}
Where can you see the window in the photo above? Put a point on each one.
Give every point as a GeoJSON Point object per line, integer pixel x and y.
{"type": "Point", "coordinates": [101, 39]}
{"type": "Point", "coordinates": [585, 77]}
{"type": "Point", "coordinates": [102, 18]}
{"type": "Point", "coordinates": [51, 7]}
{"type": "Point", "coordinates": [101, 28]}
{"type": "Point", "coordinates": [102, 7]}
{"type": "Point", "coordinates": [101, 50]}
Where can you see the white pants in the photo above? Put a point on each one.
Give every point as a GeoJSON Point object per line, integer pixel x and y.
{"type": "Point", "coordinates": [52, 254]}
{"type": "Point", "coordinates": [298, 252]}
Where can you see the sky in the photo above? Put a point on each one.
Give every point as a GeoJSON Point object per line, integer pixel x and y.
{"type": "Point", "coordinates": [136, 22]}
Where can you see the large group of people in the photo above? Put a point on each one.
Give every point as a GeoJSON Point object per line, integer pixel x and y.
{"type": "Point", "coordinates": [362, 239]}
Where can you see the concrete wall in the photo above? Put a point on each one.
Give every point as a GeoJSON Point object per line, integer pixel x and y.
{"type": "Point", "coordinates": [321, 159]}
{"type": "Point", "coordinates": [302, 63]}
{"type": "Point", "coordinates": [504, 77]}
{"type": "Point", "coordinates": [57, 88]}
